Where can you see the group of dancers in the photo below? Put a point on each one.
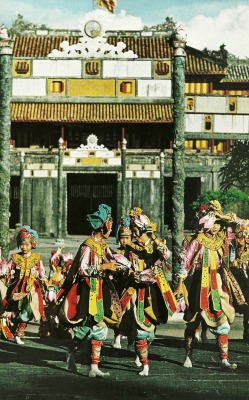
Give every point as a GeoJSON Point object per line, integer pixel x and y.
{"type": "Point", "coordinates": [126, 289]}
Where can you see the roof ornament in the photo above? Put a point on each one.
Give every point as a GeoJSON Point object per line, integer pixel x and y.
{"type": "Point", "coordinates": [92, 46]}
{"type": "Point", "coordinates": [92, 28]}
{"type": "Point", "coordinates": [92, 144]}
{"type": "Point", "coordinates": [220, 56]}
{"type": "Point", "coordinates": [179, 40]}
{"type": "Point", "coordinates": [3, 32]}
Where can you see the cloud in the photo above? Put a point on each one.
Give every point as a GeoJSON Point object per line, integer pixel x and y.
{"type": "Point", "coordinates": [110, 21]}
{"type": "Point", "coordinates": [55, 17]}
{"type": "Point", "coordinates": [230, 27]}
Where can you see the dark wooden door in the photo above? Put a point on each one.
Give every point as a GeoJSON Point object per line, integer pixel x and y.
{"type": "Point", "coordinates": [85, 193]}
{"type": "Point", "coordinates": [14, 201]}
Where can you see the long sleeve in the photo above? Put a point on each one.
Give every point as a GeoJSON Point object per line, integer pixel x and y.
{"type": "Point", "coordinates": [190, 253]}
{"type": "Point", "coordinates": [41, 273]}
{"type": "Point", "coordinates": [85, 267]}
{"type": "Point", "coordinates": [163, 250]}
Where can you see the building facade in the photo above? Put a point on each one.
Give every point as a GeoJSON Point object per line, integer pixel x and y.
{"type": "Point", "coordinates": [109, 97]}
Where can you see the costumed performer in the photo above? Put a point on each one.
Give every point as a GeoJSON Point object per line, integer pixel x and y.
{"type": "Point", "coordinates": [123, 238]}
{"type": "Point", "coordinates": [59, 264]}
{"type": "Point", "coordinates": [91, 303]}
{"type": "Point", "coordinates": [235, 271]}
{"type": "Point", "coordinates": [147, 299]}
{"type": "Point", "coordinates": [24, 295]}
{"type": "Point", "coordinates": [203, 288]}
{"type": "Point", "coordinates": [4, 316]}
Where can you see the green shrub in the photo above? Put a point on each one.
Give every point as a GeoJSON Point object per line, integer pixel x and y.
{"type": "Point", "coordinates": [231, 200]}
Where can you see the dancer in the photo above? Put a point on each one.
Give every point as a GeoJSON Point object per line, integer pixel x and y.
{"type": "Point", "coordinates": [240, 269]}
{"type": "Point", "coordinates": [147, 299]}
{"type": "Point", "coordinates": [123, 238]}
{"type": "Point", "coordinates": [236, 255]}
{"type": "Point", "coordinates": [24, 296]}
{"type": "Point", "coordinates": [4, 316]}
{"type": "Point", "coordinates": [205, 298]}
{"type": "Point", "coordinates": [235, 272]}
{"type": "Point", "coordinates": [60, 264]}
{"type": "Point", "coordinates": [91, 303]}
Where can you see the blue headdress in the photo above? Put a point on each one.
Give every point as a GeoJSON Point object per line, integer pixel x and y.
{"type": "Point", "coordinates": [99, 217]}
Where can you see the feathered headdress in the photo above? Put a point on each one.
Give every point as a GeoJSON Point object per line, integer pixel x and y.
{"type": "Point", "coordinates": [26, 233]}
{"type": "Point", "coordinates": [140, 221]}
{"type": "Point", "coordinates": [123, 228]}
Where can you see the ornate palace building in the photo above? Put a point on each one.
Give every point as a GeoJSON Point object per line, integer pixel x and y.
{"type": "Point", "coordinates": [99, 91]}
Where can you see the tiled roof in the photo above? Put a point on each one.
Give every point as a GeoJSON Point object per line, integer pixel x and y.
{"type": "Point", "coordinates": [237, 73]}
{"type": "Point", "coordinates": [197, 63]}
{"type": "Point", "coordinates": [144, 47]}
{"type": "Point", "coordinates": [52, 112]}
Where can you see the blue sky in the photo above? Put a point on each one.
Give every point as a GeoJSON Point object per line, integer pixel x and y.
{"type": "Point", "coordinates": [207, 23]}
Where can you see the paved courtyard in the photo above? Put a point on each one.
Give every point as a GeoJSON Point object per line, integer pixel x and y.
{"type": "Point", "coordinates": [38, 371]}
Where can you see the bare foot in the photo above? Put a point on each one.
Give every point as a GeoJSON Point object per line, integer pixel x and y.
{"type": "Point", "coordinates": [187, 363]}
{"type": "Point", "coordinates": [95, 372]}
{"type": "Point", "coordinates": [145, 371]}
{"type": "Point", "coordinates": [138, 362]}
{"type": "Point", "coordinates": [225, 364]}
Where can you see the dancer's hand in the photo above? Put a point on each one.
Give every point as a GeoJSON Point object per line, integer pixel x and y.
{"type": "Point", "coordinates": [179, 290]}
{"type": "Point", "coordinates": [112, 266]}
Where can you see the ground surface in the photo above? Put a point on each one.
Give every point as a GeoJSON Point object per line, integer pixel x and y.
{"type": "Point", "coordinates": [37, 370]}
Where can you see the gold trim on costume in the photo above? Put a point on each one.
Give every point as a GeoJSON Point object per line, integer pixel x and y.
{"type": "Point", "coordinates": [210, 242]}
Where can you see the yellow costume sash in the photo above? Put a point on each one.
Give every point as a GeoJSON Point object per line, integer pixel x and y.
{"type": "Point", "coordinates": [96, 307]}
{"type": "Point", "coordinates": [168, 296]}
{"type": "Point", "coordinates": [209, 279]}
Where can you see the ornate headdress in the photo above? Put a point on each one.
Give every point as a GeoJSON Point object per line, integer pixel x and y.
{"type": "Point", "coordinates": [214, 205]}
{"type": "Point", "coordinates": [26, 233]}
{"type": "Point", "coordinates": [208, 215]}
{"type": "Point", "coordinates": [98, 218]}
{"type": "Point", "coordinates": [140, 221]}
{"type": "Point", "coordinates": [123, 228]}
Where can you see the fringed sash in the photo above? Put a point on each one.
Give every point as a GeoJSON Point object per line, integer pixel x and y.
{"type": "Point", "coordinates": [141, 317]}
{"type": "Point", "coordinates": [126, 297]}
{"type": "Point", "coordinates": [96, 307]}
{"type": "Point", "coordinates": [168, 296]}
{"type": "Point", "coordinates": [209, 280]}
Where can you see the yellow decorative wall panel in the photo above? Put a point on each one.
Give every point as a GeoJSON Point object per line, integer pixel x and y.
{"type": "Point", "coordinates": [198, 88]}
{"type": "Point", "coordinates": [204, 88]}
{"type": "Point", "coordinates": [232, 105]}
{"type": "Point", "coordinates": [91, 87]}
{"type": "Point", "coordinates": [190, 104]}
{"type": "Point", "coordinates": [92, 67]}
{"type": "Point", "coordinates": [92, 161]}
{"type": "Point", "coordinates": [57, 86]}
{"type": "Point", "coordinates": [126, 87]}
{"type": "Point", "coordinates": [21, 68]}
{"type": "Point", "coordinates": [188, 144]}
{"type": "Point", "coordinates": [162, 69]}
{"type": "Point", "coordinates": [201, 144]}
{"type": "Point", "coordinates": [208, 122]}
{"type": "Point", "coordinates": [219, 147]}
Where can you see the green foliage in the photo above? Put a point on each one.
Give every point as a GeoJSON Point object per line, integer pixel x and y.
{"type": "Point", "coordinates": [230, 200]}
{"type": "Point", "coordinates": [168, 26]}
{"type": "Point", "coordinates": [19, 25]}
{"type": "Point", "coordinates": [236, 172]}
